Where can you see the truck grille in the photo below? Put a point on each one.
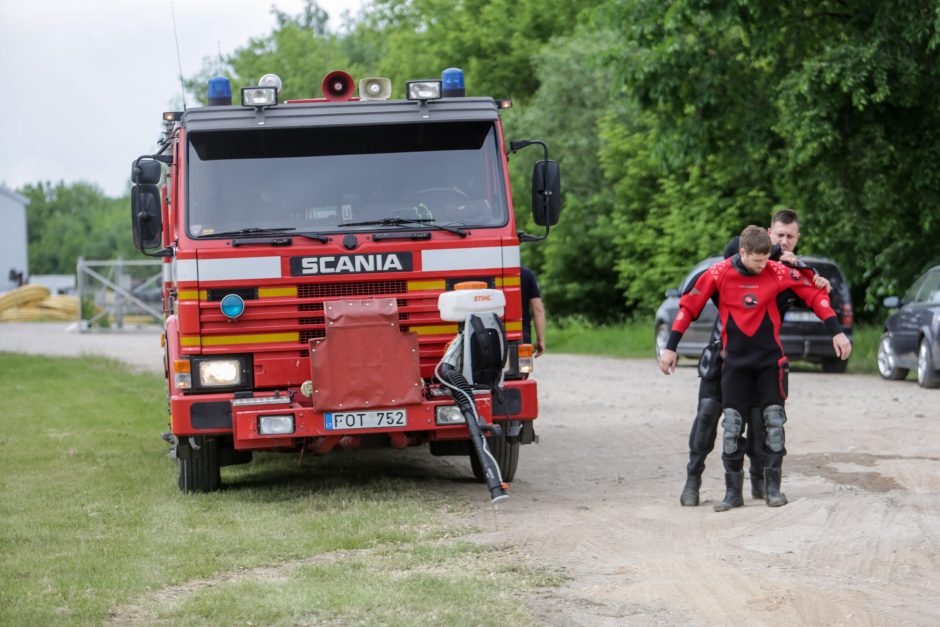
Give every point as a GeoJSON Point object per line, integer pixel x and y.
{"type": "Point", "coordinates": [302, 318]}
{"type": "Point", "coordinates": [340, 290]}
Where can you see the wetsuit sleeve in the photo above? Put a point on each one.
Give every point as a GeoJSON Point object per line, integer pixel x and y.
{"type": "Point", "coordinates": [691, 305]}
{"type": "Point", "coordinates": [817, 299]}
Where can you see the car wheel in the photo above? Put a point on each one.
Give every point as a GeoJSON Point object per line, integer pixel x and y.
{"type": "Point", "coordinates": [835, 366]}
{"type": "Point", "coordinates": [887, 361]}
{"type": "Point", "coordinates": [927, 376]}
{"type": "Point", "coordinates": [662, 337]}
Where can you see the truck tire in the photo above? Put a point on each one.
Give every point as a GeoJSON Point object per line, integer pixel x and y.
{"type": "Point", "coordinates": [198, 465]}
{"type": "Point", "coordinates": [505, 451]}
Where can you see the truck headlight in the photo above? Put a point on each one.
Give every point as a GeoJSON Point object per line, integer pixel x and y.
{"type": "Point", "coordinates": [215, 373]}
{"type": "Point", "coordinates": [448, 415]}
{"type": "Point", "coordinates": [276, 425]}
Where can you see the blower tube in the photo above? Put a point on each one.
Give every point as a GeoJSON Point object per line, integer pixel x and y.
{"type": "Point", "coordinates": [462, 393]}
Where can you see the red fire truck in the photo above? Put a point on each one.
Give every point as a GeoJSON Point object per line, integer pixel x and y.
{"type": "Point", "coordinates": [306, 245]}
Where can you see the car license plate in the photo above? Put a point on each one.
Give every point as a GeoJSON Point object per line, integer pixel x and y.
{"type": "Point", "coordinates": [800, 316]}
{"type": "Point", "coordinates": [374, 419]}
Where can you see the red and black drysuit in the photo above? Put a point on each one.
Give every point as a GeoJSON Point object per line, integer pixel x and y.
{"type": "Point", "coordinates": [755, 367]}
{"type": "Point", "coordinates": [708, 411]}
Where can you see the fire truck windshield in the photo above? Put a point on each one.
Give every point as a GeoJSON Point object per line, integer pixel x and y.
{"type": "Point", "coordinates": [326, 179]}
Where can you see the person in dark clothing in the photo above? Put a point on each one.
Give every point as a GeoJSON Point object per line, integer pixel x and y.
{"type": "Point", "coordinates": [784, 234]}
{"type": "Point", "coordinates": [533, 311]}
{"type": "Point", "coordinates": [755, 368]}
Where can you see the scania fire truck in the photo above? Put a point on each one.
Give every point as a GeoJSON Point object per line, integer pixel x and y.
{"type": "Point", "coordinates": [306, 245]}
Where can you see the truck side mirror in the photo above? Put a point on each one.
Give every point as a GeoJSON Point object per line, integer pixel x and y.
{"type": "Point", "coordinates": [146, 172]}
{"type": "Point", "coordinates": [891, 302]}
{"type": "Point", "coordinates": [146, 216]}
{"type": "Point", "coordinates": [546, 193]}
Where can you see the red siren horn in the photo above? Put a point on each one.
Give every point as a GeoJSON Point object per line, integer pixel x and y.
{"type": "Point", "coordinates": [338, 85]}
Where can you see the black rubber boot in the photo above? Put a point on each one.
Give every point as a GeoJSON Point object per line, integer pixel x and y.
{"type": "Point", "coordinates": [757, 486]}
{"type": "Point", "coordinates": [774, 497]}
{"type": "Point", "coordinates": [734, 483]}
{"type": "Point", "coordinates": [689, 496]}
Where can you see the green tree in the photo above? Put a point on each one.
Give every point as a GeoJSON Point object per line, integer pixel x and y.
{"type": "Point", "coordinates": [576, 264]}
{"type": "Point", "coordinates": [734, 107]}
{"type": "Point", "coordinates": [65, 222]}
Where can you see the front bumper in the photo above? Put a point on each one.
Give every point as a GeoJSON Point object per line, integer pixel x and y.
{"type": "Point", "coordinates": [215, 414]}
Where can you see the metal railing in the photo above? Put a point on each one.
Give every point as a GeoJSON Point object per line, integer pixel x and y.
{"type": "Point", "coordinates": [117, 289]}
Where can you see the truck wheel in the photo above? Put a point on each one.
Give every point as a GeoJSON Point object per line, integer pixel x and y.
{"type": "Point", "coordinates": [927, 376]}
{"type": "Point", "coordinates": [506, 453]}
{"type": "Point", "coordinates": [198, 468]}
{"type": "Point", "coordinates": [888, 362]}
{"type": "Point", "coordinates": [836, 365]}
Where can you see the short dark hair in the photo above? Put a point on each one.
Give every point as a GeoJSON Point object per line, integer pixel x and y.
{"type": "Point", "coordinates": [785, 216]}
{"type": "Point", "coordinates": [755, 240]}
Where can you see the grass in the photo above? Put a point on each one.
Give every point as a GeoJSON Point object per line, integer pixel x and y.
{"type": "Point", "coordinates": [634, 339]}
{"type": "Point", "coordinates": [91, 520]}
{"type": "Point", "coordinates": [625, 339]}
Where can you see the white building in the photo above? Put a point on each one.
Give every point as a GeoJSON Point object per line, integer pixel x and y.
{"type": "Point", "coordinates": [14, 261]}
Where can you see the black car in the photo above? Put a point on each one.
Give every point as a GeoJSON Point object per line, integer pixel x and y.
{"type": "Point", "coordinates": [911, 333]}
{"type": "Point", "coordinates": [802, 334]}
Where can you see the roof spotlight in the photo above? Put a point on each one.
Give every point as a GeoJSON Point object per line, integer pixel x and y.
{"type": "Point", "coordinates": [423, 90]}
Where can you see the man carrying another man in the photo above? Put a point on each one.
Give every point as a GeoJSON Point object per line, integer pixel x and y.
{"type": "Point", "coordinates": [755, 368]}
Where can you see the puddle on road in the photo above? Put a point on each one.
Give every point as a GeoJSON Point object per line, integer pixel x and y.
{"type": "Point", "coordinates": [825, 465]}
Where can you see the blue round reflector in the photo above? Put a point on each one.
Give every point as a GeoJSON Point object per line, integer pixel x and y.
{"type": "Point", "coordinates": [452, 83]}
{"type": "Point", "coordinates": [232, 305]}
{"type": "Point", "coordinates": [220, 91]}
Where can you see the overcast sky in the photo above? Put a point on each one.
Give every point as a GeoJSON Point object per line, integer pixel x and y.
{"type": "Point", "coordinates": [86, 81]}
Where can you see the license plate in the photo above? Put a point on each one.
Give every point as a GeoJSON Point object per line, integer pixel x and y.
{"type": "Point", "coordinates": [800, 316]}
{"type": "Point", "coordinates": [374, 419]}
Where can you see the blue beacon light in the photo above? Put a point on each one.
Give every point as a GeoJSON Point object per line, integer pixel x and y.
{"type": "Point", "coordinates": [452, 85]}
{"type": "Point", "coordinates": [232, 306]}
{"type": "Point", "coordinates": [220, 91]}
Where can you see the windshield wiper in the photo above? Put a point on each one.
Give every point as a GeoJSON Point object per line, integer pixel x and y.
{"type": "Point", "coordinates": [426, 222]}
{"type": "Point", "coordinates": [283, 230]}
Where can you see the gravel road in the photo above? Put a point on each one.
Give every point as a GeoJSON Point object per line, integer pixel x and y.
{"type": "Point", "coordinates": [858, 544]}
{"type": "Point", "coordinates": [598, 498]}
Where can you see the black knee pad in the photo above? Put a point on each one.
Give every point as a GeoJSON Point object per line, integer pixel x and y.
{"type": "Point", "coordinates": [732, 431]}
{"type": "Point", "coordinates": [774, 436]}
{"type": "Point", "coordinates": [709, 410]}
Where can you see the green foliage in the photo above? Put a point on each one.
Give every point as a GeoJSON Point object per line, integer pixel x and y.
{"type": "Point", "coordinates": [735, 107]}
{"type": "Point", "coordinates": [65, 222]}
{"type": "Point", "coordinates": [566, 114]}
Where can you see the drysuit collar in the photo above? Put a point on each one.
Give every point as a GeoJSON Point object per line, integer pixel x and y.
{"type": "Point", "coordinates": [738, 264]}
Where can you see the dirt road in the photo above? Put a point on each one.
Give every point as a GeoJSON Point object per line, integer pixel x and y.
{"type": "Point", "coordinates": [598, 499]}
{"type": "Point", "coordinates": [858, 544]}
